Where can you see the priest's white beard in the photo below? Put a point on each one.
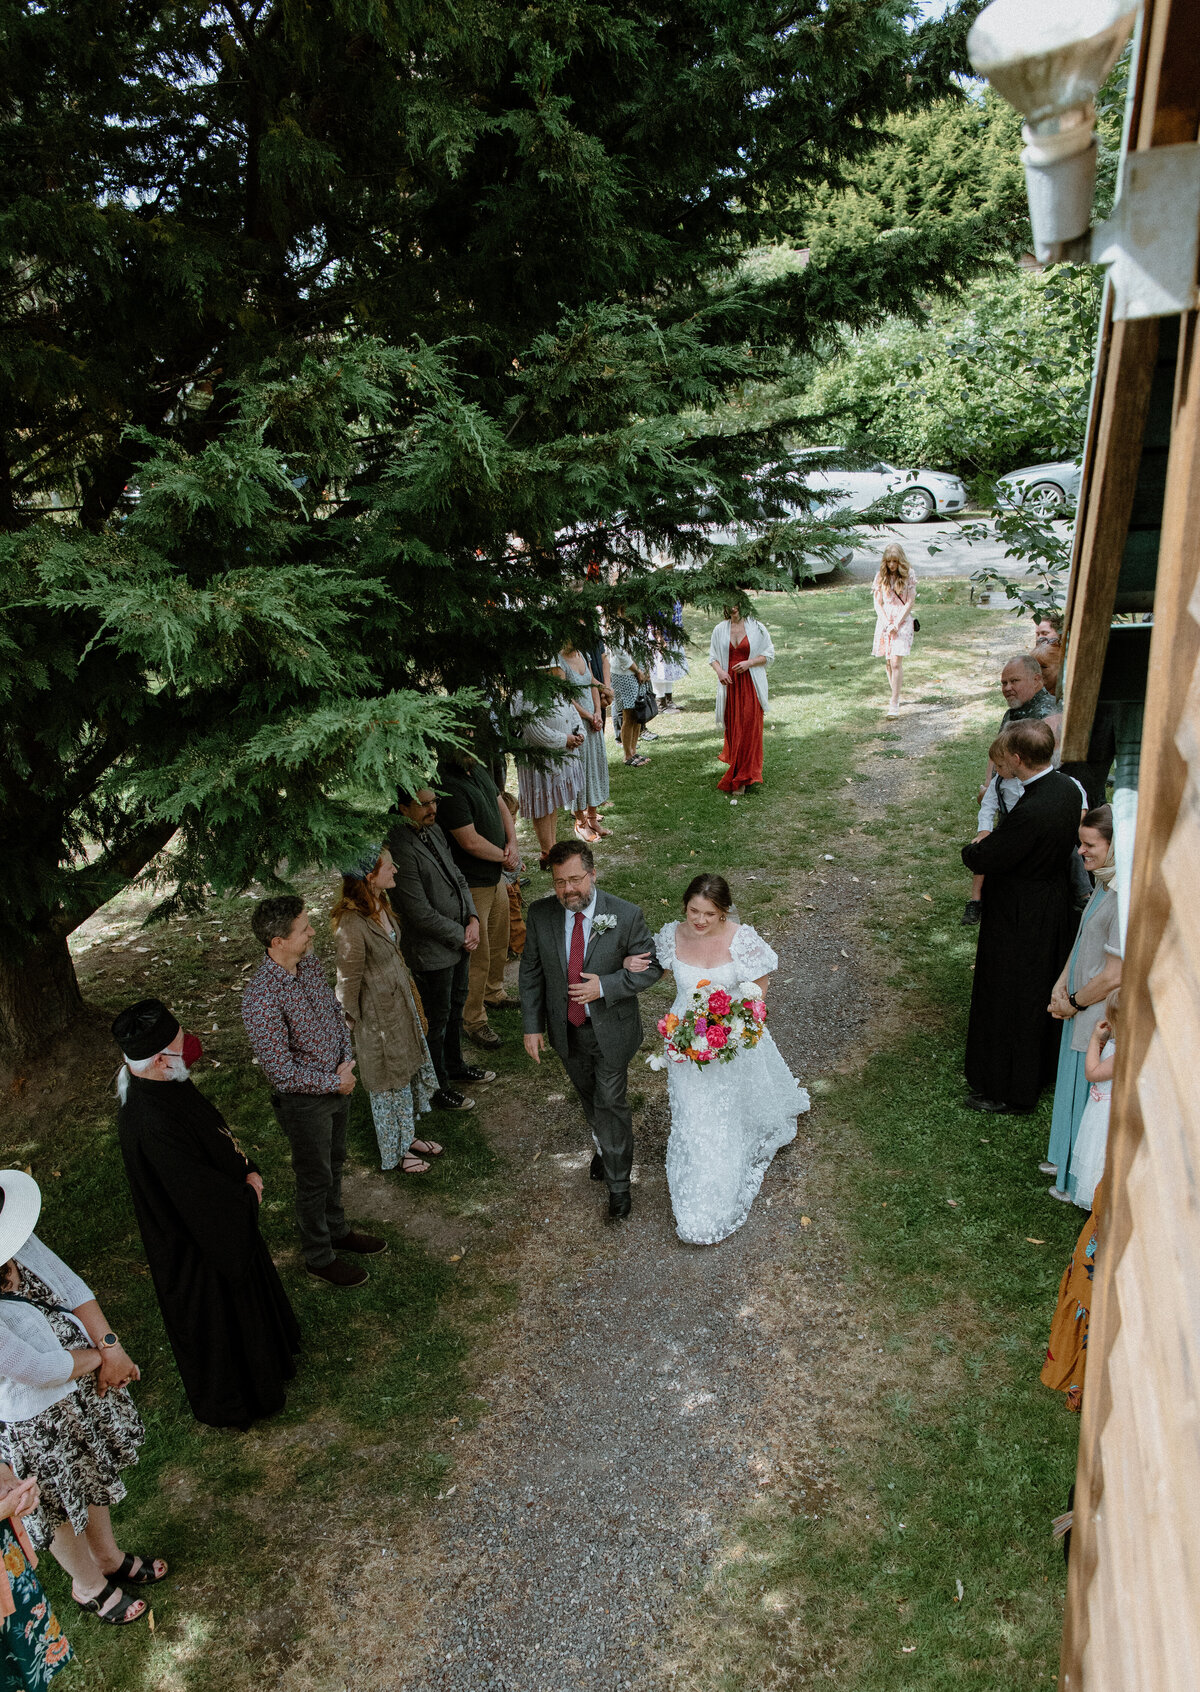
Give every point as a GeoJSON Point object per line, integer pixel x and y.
{"type": "Point", "coordinates": [177, 1070]}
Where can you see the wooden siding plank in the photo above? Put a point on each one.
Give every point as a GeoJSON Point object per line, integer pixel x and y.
{"type": "Point", "coordinates": [1163, 780]}
{"type": "Point", "coordinates": [1123, 406]}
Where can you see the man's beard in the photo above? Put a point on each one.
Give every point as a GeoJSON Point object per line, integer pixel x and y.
{"type": "Point", "coordinates": [575, 901]}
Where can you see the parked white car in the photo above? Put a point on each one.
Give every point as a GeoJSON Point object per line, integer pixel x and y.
{"type": "Point", "coordinates": [1042, 487]}
{"type": "Point", "coordinates": [853, 481]}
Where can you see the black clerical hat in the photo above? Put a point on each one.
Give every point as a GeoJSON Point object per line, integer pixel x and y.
{"type": "Point", "coordinates": [144, 1029]}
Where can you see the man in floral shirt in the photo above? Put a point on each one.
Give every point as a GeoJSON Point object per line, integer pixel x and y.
{"type": "Point", "coordinates": [299, 1036]}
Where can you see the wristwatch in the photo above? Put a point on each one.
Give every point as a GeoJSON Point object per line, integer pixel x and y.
{"type": "Point", "coordinates": [108, 1340]}
{"type": "Point", "coordinates": [1072, 1000]}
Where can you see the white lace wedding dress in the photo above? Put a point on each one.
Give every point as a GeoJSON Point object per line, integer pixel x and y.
{"type": "Point", "coordinates": [727, 1119]}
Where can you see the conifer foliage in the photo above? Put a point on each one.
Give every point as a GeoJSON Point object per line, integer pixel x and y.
{"type": "Point", "coordinates": [335, 342]}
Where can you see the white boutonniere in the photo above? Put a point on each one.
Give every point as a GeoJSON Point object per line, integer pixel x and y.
{"type": "Point", "coordinates": [602, 924]}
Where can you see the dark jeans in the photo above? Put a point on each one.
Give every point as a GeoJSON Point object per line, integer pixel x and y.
{"type": "Point", "coordinates": [315, 1124]}
{"type": "Point", "coordinates": [443, 994]}
{"type": "Point", "coordinates": [601, 1085]}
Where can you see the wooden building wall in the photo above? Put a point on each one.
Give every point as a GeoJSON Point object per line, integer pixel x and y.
{"type": "Point", "coordinates": [1133, 1593]}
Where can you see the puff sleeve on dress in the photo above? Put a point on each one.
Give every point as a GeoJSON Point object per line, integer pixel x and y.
{"type": "Point", "coordinates": [664, 945]}
{"type": "Point", "coordinates": [752, 954]}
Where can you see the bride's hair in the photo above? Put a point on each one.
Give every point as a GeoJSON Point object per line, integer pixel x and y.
{"type": "Point", "coordinates": [714, 888]}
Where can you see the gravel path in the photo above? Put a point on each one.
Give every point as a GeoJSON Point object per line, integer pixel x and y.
{"type": "Point", "coordinates": [622, 1431]}
{"type": "Point", "coordinates": [644, 1390]}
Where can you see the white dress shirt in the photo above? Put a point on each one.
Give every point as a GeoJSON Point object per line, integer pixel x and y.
{"type": "Point", "coordinates": [588, 913]}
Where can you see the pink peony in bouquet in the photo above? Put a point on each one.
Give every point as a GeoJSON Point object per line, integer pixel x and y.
{"type": "Point", "coordinates": [715, 1028]}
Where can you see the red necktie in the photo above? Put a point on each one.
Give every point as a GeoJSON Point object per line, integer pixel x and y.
{"type": "Point", "coordinates": [576, 1014]}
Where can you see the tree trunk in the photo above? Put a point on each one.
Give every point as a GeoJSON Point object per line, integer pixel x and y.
{"type": "Point", "coordinates": [39, 996]}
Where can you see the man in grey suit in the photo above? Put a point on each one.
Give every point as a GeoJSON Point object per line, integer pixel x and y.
{"type": "Point", "coordinates": [590, 1014]}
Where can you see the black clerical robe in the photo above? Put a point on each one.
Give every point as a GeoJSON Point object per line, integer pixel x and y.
{"type": "Point", "coordinates": [227, 1316]}
{"type": "Point", "coordinates": [1025, 933]}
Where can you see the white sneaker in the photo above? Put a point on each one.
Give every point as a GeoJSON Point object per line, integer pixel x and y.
{"type": "Point", "coordinates": [1057, 1193]}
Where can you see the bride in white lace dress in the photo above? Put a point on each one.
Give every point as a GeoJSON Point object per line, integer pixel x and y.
{"type": "Point", "coordinates": [727, 1119]}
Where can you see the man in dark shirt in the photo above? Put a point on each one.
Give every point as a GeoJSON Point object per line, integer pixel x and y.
{"type": "Point", "coordinates": [483, 841]}
{"type": "Point", "coordinates": [1027, 928]}
{"type": "Point", "coordinates": [1021, 683]}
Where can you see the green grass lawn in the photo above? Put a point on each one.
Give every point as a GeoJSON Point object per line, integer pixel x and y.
{"type": "Point", "coordinates": [952, 1478]}
{"type": "Point", "coordinates": [972, 1455]}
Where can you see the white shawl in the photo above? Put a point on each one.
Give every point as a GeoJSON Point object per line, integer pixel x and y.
{"type": "Point", "coordinates": [760, 647]}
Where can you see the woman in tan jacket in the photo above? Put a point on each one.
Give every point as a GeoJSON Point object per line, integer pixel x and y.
{"type": "Point", "coordinates": [376, 993]}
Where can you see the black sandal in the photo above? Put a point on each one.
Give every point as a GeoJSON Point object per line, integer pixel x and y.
{"type": "Point", "coordinates": [118, 1616]}
{"type": "Point", "coordinates": [145, 1576]}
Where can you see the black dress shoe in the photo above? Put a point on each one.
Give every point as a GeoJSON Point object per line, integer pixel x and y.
{"type": "Point", "coordinates": [989, 1107]}
{"type": "Point", "coordinates": [619, 1205]}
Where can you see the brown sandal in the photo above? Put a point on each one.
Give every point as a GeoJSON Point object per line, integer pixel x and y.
{"type": "Point", "coordinates": [410, 1165]}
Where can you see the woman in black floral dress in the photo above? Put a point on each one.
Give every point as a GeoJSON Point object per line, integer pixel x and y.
{"type": "Point", "coordinates": [65, 1414]}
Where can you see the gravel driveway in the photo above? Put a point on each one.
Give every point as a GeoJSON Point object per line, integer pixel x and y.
{"type": "Point", "coordinates": [938, 550]}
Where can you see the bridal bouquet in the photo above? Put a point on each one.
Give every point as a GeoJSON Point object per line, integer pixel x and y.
{"type": "Point", "coordinates": [716, 1027]}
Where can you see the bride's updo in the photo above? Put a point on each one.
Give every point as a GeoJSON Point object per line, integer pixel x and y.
{"type": "Point", "coordinates": [714, 888]}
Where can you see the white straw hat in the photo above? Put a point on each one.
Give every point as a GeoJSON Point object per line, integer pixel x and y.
{"type": "Point", "coordinates": [19, 1213]}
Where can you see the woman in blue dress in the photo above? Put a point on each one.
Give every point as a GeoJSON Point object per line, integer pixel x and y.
{"type": "Point", "coordinates": [1089, 975]}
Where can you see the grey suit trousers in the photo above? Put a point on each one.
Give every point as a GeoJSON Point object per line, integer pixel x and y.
{"type": "Point", "coordinates": [602, 1085]}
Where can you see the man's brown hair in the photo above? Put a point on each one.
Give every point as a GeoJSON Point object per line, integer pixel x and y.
{"type": "Point", "coordinates": [1031, 741]}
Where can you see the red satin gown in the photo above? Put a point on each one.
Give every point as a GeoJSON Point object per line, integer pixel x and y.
{"type": "Point", "coordinates": [743, 748]}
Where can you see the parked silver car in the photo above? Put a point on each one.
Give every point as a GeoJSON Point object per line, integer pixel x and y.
{"type": "Point", "coordinates": [1041, 487]}
{"type": "Point", "coordinates": [854, 481]}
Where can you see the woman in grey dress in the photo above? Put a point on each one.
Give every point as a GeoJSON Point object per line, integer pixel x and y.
{"type": "Point", "coordinates": [593, 755]}
{"type": "Point", "coordinates": [549, 781]}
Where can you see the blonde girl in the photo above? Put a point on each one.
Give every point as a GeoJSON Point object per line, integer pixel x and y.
{"type": "Point", "coordinates": [895, 593]}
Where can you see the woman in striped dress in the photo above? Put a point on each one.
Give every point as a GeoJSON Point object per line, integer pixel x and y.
{"type": "Point", "coordinates": [548, 783]}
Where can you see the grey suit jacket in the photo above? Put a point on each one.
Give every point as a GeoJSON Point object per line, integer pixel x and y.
{"type": "Point", "coordinates": [431, 897]}
{"type": "Point", "coordinates": [616, 1021]}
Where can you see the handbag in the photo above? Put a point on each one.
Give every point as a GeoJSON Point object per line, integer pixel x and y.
{"type": "Point", "coordinates": [916, 625]}
{"type": "Point", "coordinates": [645, 707]}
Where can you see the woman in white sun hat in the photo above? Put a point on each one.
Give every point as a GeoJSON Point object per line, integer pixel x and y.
{"type": "Point", "coordinates": [65, 1416]}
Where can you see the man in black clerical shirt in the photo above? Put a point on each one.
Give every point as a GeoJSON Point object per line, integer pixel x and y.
{"type": "Point", "coordinates": [1027, 928]}
{"type": "Point", "coordinates": [196, 1197]}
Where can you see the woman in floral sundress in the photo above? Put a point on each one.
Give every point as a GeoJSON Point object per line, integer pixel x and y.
{"type": "Point", "coordinates": [33, 1646]}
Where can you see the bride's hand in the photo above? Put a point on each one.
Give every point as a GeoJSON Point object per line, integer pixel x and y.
{"type": "Point", "coordinates": [637, 962]}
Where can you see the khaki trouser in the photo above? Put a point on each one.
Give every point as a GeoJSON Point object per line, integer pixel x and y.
{"type": "Point", "coordinates": [489, 957]}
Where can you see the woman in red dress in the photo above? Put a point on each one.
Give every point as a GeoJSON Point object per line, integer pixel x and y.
{"type": "Point", "coordinates": [739, 652]}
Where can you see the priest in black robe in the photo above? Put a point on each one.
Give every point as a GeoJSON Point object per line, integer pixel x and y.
{"type": "Point", "coordinates": [1026, 931]}
{"type": "Point", "coordinates": [196, 1198]}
